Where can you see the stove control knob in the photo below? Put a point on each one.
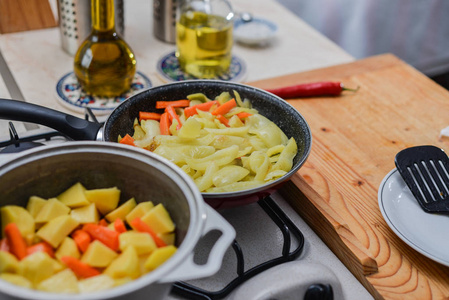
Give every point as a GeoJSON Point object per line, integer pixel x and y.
{"type": "Point", "coordinates": [319, 292]}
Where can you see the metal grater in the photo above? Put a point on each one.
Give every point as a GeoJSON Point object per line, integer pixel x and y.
{"type": "Point", "coordinates": [164, 20]}
{"type": "Point", "coordinates": [75, 22]}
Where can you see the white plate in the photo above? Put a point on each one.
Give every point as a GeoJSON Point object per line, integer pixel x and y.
{"type": "Point", "coordinates": [255, 32]}
{"type": "Point", "coordinates": [424, 232]}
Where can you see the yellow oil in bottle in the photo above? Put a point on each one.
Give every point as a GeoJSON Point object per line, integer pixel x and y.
{"type": "Point", "coordinates": [104, 63]}
{"type": "Point", "coordinates": [204, 44]}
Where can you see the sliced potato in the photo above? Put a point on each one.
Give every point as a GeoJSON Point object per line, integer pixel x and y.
{"type": "Point", "coordinates": [96, 283]}
{"type": "Point", "coordinates": [86, 214]}
{"type": "Point", "coordinates": [19, 215]}
{"type": "Point", "coordinates": [141, 241]}
{"type": "Point", "coordinates": [168, 238]}
{"type": "Point", "coordinates": [62, 282]}
{"type": "Point", "coordinates": [74, 196]}
{"type": "Point", "coordinates": [159, 256]}
{"type": "Point", "coordinates": [122, 211]}
{"type": "Point", "coordinates": [36, 267]}
{"type": "Point", "coordinates": [159, 219]}
{"type": "Point", "coordinates": [35, 204]}
{"type": "Point", "coordinates": [106, 200]}
{"type": "Point", "coordinates": [8, 263]}
{"type": "Point", "coordinates": [55, 231]}
{"type": "Point", "coordinates": [52, 209]}
{"type": "Point", "coordinates": [16, 279]}
{"type": "Point", "coordinates": [98, 255]}
{"type": "Point", "coordinates": [139, 211]}
{"type": "Point", "coordinates": [68, 247]}
{"type": "Point", "coordinates": [125, 265]}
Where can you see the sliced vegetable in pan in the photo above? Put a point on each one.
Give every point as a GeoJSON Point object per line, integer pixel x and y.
{"type": "Point", "coordinates": [224, 144]}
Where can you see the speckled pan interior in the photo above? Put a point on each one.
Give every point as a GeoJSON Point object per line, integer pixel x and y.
{"type": "Point", "coordinates": [276, 109]}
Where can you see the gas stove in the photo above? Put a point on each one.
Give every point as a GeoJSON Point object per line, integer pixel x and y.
{"type": "Point", "coordinates": [266, 260]}
{"type": "Point", "coordinates": [18, 143]}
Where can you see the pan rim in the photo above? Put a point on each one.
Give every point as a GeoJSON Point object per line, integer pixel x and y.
{"type": "Point", "coordinates": [241, 193]}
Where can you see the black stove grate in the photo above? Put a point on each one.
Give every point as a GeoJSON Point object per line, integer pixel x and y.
{"type": "Point", "coordinates": [17, 144]}
{"type": "Point", "coordinates": [288, 229]}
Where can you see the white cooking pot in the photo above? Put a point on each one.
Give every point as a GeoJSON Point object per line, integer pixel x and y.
{"type": "Point", "coordinates": [47, 171]}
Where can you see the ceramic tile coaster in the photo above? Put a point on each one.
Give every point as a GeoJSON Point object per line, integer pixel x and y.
{"type": "Point", "coordinates": [169, 70]}
{"type": "Point", "coordinates": [70, 94]}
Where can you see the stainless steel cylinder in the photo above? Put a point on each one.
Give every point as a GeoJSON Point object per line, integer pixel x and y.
{"type": "Point", "coordinates": [164, 20]}
{"type": "Point", "coordinates": [75, 22]}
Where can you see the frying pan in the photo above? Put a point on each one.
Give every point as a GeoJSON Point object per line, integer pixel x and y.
{"type": "Point", "coordinates": [120, 122]}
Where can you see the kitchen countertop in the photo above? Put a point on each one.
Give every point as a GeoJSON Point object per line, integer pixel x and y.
{"type": "Point", "coordinates": [37, 55]}
{"type": "Point", "coordinates": [37, 62]}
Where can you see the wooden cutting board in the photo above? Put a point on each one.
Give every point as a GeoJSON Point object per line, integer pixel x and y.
{"type": "Point", "coordinates": [355, 139]}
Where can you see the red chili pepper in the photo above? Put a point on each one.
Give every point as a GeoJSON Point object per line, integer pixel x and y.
{"type": "Point", "coordinates": [310, 90]}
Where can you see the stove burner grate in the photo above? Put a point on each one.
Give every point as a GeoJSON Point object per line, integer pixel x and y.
{"type": "Point", "coordinates": [288, 229]}
{"type": "Point", "coordinates": [17, 144]}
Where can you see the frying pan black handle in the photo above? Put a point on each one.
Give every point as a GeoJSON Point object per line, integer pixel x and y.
{"type": "Point", "coordinates": [73, 127]}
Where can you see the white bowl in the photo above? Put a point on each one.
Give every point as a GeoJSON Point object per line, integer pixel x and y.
{"type": "Point", "coordinates": [255, 32]}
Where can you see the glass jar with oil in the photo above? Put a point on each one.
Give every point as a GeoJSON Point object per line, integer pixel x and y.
{"type": "Point", "coordinates": [104, 63]}
{"type": "Point", "coordinates": [204, 37]}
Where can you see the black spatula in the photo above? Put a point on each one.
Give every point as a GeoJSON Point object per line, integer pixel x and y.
{"type": "Point", "coordinates": [425, 170]}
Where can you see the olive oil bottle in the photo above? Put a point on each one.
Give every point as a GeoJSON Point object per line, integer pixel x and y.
{"type": "Point", "coordinates": [104, 63]}
{"type": "Point", "coordinates": [204, 37]}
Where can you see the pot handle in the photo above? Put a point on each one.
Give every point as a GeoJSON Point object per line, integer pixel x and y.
{"type": "Point", "coordinates": [188, 269]}
{"type": "Point", "coordinates": [73, 127]}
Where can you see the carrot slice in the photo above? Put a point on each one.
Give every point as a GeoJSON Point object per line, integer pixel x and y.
{"type": "Point", "coordinates": [141, 226]}
{"type": "Point", "coordinates": [173, 116]}
{"type": "Point", "coordinates": [225, 107]}
{"type": "Point", "coordinates": [79, 268]}
{"type": "Point", "coordinates": [119, 225]}
{"type": "Point", "coordinates": [103, 234]}
{"type": "Point", "coordinates": [165, 124]}
{"type": "Point", "coordinates": [82, 239]}
{"type": "Point", "coordinates": [16, 242]}
{"type": "Point", "coordinates": [143, 115]}
{"type": "Point", "coordinates": [177, 103]}
{"type": "Point", "coordinates": [192, 110]}
{"type": "Point", "coordinates": [41, 247]}
{"type": "Point", "coordinates": [223, 120]}
{"type": "Point", "coordinates": [127, 140]}
{"type": "Point", "coordinates": [243, 115]}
